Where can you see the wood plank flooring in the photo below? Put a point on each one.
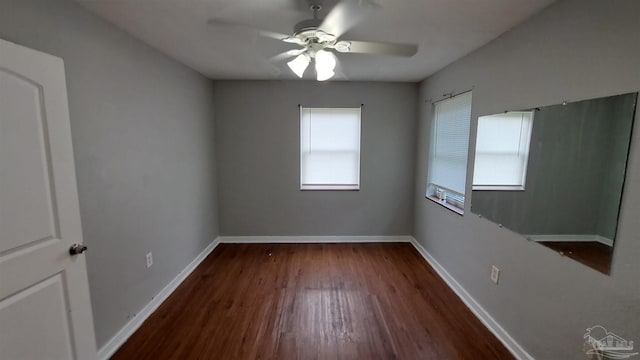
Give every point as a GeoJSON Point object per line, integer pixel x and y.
{"type": "Point", "coordinates": [593, 254]}
{"type": "Point", "coordinates": [313, 301]}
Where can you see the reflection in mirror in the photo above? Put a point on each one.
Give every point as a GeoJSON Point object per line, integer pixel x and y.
{"type": "Point", "coordinates": [555, 174]}
{"type": "Point", "coordinates": [502, 151]}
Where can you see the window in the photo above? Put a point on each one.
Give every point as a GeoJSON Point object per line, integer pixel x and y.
{"type": "Point", "coordinates": [502, 151]}
{"type": "Point", "coordinates": [329, 148]}
{"type": "Point", "coordinates": [449, 147]}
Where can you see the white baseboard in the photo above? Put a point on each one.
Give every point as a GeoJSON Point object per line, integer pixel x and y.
{"type": "Point", "coordinates": [130, 327]}
{"type": "Point", "coordinates": [312, 239]}
{"type": "Point", "coordinates": [604, 240]}
{"type": "Point", "coordinates": [474, 306]}
{"type": "Point", "coordinates": [572, 238]}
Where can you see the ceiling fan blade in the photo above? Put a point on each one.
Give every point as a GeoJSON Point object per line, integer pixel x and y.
{"type": "Point", "coordinates": [347, 14]}
{"type": "Point", "coordinates": [246, 28]}
{"type": "Point", "coordinates": [287, 54]}
{"type": "Point", "coordinates": [281, 37]}
{"type": "Point", "coordinates": [294, 40]}
{"type": "Point", "coordinates": [368, 47]}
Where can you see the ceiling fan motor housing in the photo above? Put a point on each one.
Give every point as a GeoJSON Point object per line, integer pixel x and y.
{"type": "Point", "coordinates": [306, 25]}
{"type": "Point", "coordinates": [307, 31]}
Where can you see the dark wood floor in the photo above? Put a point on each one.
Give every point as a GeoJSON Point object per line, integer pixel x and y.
{"type": "Point", "coordinates": [313, 301]}
{"type": "Point", "coordinates": [593, 254]}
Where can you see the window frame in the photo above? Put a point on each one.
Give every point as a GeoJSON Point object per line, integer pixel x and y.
{"type": "Point", "coordinates": [331, 186]}
{"type": "Point", "coordinates": [450, 199]}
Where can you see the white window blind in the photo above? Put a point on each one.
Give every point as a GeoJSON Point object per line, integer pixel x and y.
{"type": "Point", "coordinates": [502, 151]}
{"type": "Point", "coordinates": [329, 148]}
{"type": "Point", "coordinates": [449, 148]}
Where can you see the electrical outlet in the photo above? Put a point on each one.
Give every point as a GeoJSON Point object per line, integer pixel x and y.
{"type": "Point", "coordinates": [149, 260]}
{"type": "Point", "coordinates": [495, 274]}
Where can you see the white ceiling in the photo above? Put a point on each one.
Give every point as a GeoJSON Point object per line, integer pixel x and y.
{"type": "Point", "coordinates": [445, 30]}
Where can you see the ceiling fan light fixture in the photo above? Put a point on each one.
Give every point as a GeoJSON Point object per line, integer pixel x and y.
{"type": "Point", "coordinates": [325, 64]}
{"type": "Point", "coordinates": [299, 64]}
{"type": "Point", "coordinates": [324, 75]}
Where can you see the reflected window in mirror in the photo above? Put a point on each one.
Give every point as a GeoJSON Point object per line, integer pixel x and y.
{"type": "Point", "coordinates": [502, 151]}
{"type": "Point", "coordinates": [447, 170]}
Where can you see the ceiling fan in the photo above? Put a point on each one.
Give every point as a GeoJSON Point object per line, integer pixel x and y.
{"type": "Point", "coordinates": [318, 37]}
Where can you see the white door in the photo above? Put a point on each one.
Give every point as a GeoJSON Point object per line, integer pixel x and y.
{"type": "Point", "coordinates": [45, 310]}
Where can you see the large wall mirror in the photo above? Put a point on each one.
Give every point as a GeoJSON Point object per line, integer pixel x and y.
{"type": "Point", "coordinates": [555, 174]}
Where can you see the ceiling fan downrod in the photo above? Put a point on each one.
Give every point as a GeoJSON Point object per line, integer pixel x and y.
{"type": "Point", "coordinates": [315, 8]}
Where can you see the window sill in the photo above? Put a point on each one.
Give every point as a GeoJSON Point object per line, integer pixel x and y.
{"type": "Point", "coordinates": [445, 204]}
{"type": "Point", "coordinates": [497, 188]}
{"type": "Point", "coordinates": [330, 187]}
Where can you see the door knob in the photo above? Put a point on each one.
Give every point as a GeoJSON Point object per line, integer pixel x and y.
{"type": "Point", "coordinates": [76, 249]}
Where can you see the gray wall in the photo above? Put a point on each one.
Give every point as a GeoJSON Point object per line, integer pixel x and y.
{"type": "Point", "coordinates": [575, 49]}
{"type": "Point", "coordinates": [258, 148]}
{"type": "Point", "coordinates": [575, 171]}
{"type": "Point", "coordinates": [142, 128]}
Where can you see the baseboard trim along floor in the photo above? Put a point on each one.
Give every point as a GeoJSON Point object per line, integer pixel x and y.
{"type": "Point", "coordinates": [105, 352]}
{"type": "Point", "coordinates": [312, 239]}
{"type": "Point", "coordinates": [474, 306]}
{"type": "Point", "coordinates": [121, 337]}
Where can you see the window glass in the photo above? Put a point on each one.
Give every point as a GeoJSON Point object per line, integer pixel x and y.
{"type": "Point", "coordinates": [330, 148]}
